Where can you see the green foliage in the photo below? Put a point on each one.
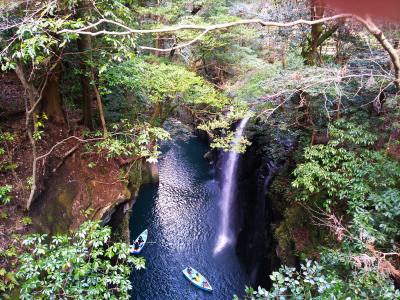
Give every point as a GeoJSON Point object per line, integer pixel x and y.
{"type": "Point", "coordinates": [335, 170]}
{"type": "Point", "coordinates": [35, 39]}
{"type": "Point", "coordinates": [314, 281]}
{"type": "Point", "coordinates": [272, 78]}
{"type": "Point", "coordinates": [348, 171]}
{"type": "Point", "coordinates": [5, 191]}
{"type": "Point", "coordinates": [139, 84]}
{"type": "Point", "coordinates": [3, 215]}
{"type": "Point", "coordinates": [87, 213]}
{"type": "Point", "coordinates": [308, 283]}
{"type": "Point", "coordinates": [6, 163]}
{"type": "Point", "coordinates": [5, 137]}
{"type": "Point", "coordinates": [173, 82]}
{"type": "Point", "coordinates": [369, 282]}
{"type": "Point", "coordinates": [141, 140]}
{"type": "Point", "coordinates": [348, 176]}
{"type": "Point", "coordinates": [7, 281]}
{"type": "Point", "coordinates": [219, 129]}
{"type": "Point", "coordinates": [228, 142]}
{"type": "Point", "coordinates": [292, 91]}
{"type": "Point", "coordinates": [224, 55]}
{"type": "Point", "coordinates": [179, 10]}
{"type": "Point", "coordinates": [217, 56]}
{"type": "Point", "coordinates": [350, 188]}
{"type": "Point", "coordinates": [40, 125]}
{"type": "Point", "coordinates": [26, 221]}
{"type": "Point", "coordinates": [84, 265]}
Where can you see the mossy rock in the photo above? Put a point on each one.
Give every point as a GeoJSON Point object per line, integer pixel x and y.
{"type": "Point", "coordinates": [55, 216]}
{"type": "Point", "coordinates": [135, 177]}
{"type": "Point", "coordinates": [150, 173]}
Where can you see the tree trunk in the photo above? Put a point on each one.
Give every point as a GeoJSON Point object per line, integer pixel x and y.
{"type": "Point", "coordinates": [88, 75]}
{"type": "Point", "coordinates": [52, 99]}
{"type": "Point", "coordinates": [100, 107]}
{"type": "Point", "coordinates": [159, 41]}
{"type": "Point", "coordinates": [34, 98]}
{"type": "Point", "coordinates": [310, 51]}
{"type": "Point", "coordinates": [30, 106]}
{"type": "Point", "coordinates": [85, 46]}
{"type": "Point", "coordinates": [30, 89]}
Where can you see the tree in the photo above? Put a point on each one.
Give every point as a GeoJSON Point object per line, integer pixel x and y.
{"type": "Point", "coordinates": [312, 281]}
{"type": "Point", "coordinates": [161, 85]}
{"type": "Point", "coordinates": [113, 40]}
{"type": "Point", "coordinates": [32, 46]}
{"type": "Point", "coordinates": [349, 188]}
{"type": "Point", "coordinates": [85, 265]}
{"type": "Point", "coordinates": [319, 34]}
{"type": "Point", "coordinates": [206, 29]}
{"type": "Point", "coordinates": [85, 47]}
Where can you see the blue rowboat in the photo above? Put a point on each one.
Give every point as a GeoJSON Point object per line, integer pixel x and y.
{"type": "Point", "coordinates": [136, 250]}
{"type": "Point", "coordinates": [197, 279]}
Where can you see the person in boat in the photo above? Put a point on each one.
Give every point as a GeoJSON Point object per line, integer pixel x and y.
{"type": "Point", "coordinates": [197, 278]}
{"type": "Point", "coordinates": [136, 245]}
{"type": "Point", "coordinates": [140, 240]}
{"type": "Point", "coordinates": [205, 284]}
{"type": "Point", "coordinates": [189, 270]}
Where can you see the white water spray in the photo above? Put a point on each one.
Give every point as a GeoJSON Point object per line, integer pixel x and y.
{"type": "Point", "coordinates": [226, 235]}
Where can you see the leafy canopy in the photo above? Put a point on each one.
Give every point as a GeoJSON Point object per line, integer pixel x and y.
{"type": "Point", "coordinates": [155, 82]}
{"type": "Point", "coordinates": [86, 265]}
{"type": "Point", "coordinates": [312, 281]}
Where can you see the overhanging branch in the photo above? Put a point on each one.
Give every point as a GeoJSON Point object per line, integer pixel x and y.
{"type": "Point", "coordinates": [208, 28]}
{"type": "Point", "coordinates": [87, 30]}
{"type": "Point", "coordinates": [205, 29]}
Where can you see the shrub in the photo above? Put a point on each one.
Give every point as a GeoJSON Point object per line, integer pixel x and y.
{"type": "Point", "coordinates": [85, 265]}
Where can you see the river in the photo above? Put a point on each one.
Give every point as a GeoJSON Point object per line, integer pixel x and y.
{"type": "Point", "coordinates": [182, 214]}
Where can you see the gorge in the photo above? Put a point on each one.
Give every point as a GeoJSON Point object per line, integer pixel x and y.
{"type": "Point", "coordinates": [257, 141]}
{"type": "Point", "coordinates": [182, 215]}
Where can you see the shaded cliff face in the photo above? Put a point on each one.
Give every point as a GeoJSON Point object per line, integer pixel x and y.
{"type": "Point", "coordinates": [264, 158]}
{"type": "Point", "coordinates": [76, 187]}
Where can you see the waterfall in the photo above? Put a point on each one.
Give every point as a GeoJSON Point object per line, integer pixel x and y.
{"type": "Point", "coordinates": [226, 234]}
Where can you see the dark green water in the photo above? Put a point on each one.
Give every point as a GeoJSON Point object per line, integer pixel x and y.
{"type": "Point", "coordinates": [182, 215]}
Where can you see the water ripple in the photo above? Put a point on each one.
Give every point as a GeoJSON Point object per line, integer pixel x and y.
{"type": "Point", "coordinates": [182, 215]}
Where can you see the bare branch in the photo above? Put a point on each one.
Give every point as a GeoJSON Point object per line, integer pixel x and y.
{"type": "Point", "coordinates": [381, 38]}
{"type": "Point", "coordinates": [371, 27]}
{"type": "Point", "coordinates": [208, 28]}
{"type": "Point", "coordinates": [64, 141]}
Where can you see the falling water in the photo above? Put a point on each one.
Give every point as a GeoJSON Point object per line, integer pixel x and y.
{"type": "Point", "coordinates": [225, 236]}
